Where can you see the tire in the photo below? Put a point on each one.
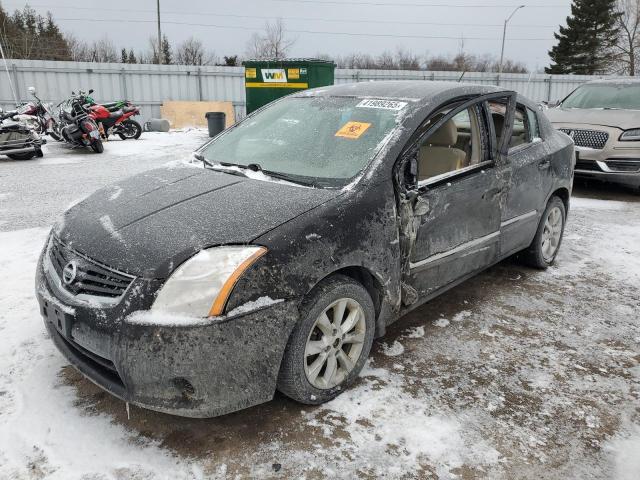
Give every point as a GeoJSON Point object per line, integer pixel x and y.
{"type": "Point", "coordinates": [97, 146]}
{"type": "Point", "coordinates": [56, 136]}
{"type": "Point", "coordinates": [299, 366]}
{"type": "Point", "coordinates": [132, 129]}
{"type": "Point", "coordinates": [538, 255]}
{"type": "Point", "coordinates": [22, 156]}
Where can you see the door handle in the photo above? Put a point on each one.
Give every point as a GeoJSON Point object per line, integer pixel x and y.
{"type": "Point", "coordinates": [544, 164]}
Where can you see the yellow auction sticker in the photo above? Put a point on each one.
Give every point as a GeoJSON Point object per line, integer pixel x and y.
{"type": "Point", "coordinates": [352, 130]}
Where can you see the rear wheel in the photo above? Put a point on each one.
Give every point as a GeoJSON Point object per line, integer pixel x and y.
{"type": "Point", "coordinates": [130, 129]}
{"type": "Point", "coordinates": [22, 156]}
{"type": "Point", "coordinates": [545, 245]}
{"type": "Point", "coordinates": [330, 343]}
{"type": "Point", "coordinates": [97, 146]}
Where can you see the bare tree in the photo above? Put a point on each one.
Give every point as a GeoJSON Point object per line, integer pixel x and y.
{"type": "Point", "coordinates": [102, 50]}
{"type": "Point", "coordinates": [629, 41]}
{"type": "Point", "coordinates": [192, 52]}
{"type": "Point", "coordinates": [272, 43]}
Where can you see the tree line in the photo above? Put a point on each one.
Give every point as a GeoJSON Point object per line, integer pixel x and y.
{"type": "Point", "coordinates": [600, 37]}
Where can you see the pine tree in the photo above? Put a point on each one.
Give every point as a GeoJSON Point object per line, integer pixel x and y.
{"type": "Point", "coordinates": [26, 34]}
{"type": "Point", "coordinates": [132, 57]}
{"type": "Point", "coordinates": [123, 56]}
{"type": "Point", "coordinates": [585, 44]}
{"type": "Point", "coordinates": [167, 56]}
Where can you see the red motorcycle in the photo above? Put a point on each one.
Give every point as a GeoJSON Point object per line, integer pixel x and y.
{"type": "Point", "coordinates": [116, 123]}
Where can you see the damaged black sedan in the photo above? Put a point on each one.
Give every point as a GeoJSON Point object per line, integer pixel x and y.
{"type": "Point", "coordinates": [295, 238]}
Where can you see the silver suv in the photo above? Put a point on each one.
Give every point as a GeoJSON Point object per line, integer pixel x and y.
{"type": "Point", "coordinates": [603, 118]}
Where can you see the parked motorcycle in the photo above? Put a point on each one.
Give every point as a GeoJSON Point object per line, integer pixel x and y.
{"type": "Point", "coordinates": [39, 116]}
{"type": "Point", "coordinates": [116, 122]}
{"type": "Point", "coordinates": [79, 129]}
{"type": "Point", "coordinates": [17, 140]}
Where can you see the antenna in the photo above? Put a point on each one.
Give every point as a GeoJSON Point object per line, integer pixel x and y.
{"type": "Point", "coordinates": [13, 92]}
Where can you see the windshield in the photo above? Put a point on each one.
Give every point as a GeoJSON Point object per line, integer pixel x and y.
{"type": "Point", "coordinates": [324, 141]}
{"type": "Point", "coordinates": [622, 96]}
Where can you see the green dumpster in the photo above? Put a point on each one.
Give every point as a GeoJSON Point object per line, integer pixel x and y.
{"type": "Point", "coordinates": [267, 80]}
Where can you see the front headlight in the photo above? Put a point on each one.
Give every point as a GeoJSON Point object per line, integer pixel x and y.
{"type": "Point", "coordinates": [631, 135]}
{"type": "Point", "coordinates": [201, 286]}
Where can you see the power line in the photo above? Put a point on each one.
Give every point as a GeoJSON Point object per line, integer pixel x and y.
{"type": "Point", "coordinates": [314, 32]}
{"type": "Point", "coordinates": [387, 4]}
{"type": "Point", "coordinates": [317, 19]}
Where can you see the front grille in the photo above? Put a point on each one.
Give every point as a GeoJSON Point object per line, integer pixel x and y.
{"type": "Point", "coordinates": [103, 366]}
{"type": "Point", "coordinates": [624, 165]}
{"type": "Point", "coordinates": [590, 165]}
{"type": "Point", "coordinates": [89, 278]}
{"type": "Point", "coordinates": [595, 139]}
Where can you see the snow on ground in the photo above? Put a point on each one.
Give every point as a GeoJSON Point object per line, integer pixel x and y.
{"type": "Point", "coordinates": [34, 192]}
{"type": "Point", "coordinates": [515, 374]}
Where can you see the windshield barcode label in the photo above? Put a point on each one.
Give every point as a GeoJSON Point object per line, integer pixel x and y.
{"type": "Point", "coordinates": [384, 104]}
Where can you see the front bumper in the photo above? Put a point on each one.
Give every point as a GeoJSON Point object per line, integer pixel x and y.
{"type": "Point", "coordinates": [616, 162]}
{"type": "Point", "coordinates": [201, 370]}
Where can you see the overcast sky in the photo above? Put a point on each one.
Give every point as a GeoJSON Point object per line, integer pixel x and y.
{"type": "Point", "coordinates": [371, 26]}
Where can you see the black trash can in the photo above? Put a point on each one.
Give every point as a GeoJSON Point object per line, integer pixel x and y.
{"type": "Point", "coordinates": [216, 122]}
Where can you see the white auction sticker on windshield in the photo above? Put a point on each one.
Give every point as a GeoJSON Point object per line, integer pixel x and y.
{"type": "Point", "coordinates": [383, 104]}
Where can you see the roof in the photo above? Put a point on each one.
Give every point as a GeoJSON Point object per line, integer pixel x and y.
{"type": "Point", "coordinates": [289, 60]}
{"type": "Point", "coordinates": [616, 81]}
{"type": "Point", "coordinates": [413, 89]}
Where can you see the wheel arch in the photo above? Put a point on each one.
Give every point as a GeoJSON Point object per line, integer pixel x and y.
{"type": "Point", "coordinates": [563, 194]}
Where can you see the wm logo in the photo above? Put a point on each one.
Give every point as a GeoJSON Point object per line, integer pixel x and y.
{"type": "Point", "coordinates": [274, 75]}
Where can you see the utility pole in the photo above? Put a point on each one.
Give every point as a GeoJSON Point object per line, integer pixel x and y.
{"type": "Point", "coordinates": [504, 34]}
{"type": "Point", "coordinates": [159, 37]}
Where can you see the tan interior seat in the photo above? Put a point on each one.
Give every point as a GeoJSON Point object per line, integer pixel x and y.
{"type": "Point", "coordinates": [439, 155]}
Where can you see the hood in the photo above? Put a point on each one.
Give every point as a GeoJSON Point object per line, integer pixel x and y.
{"type": "Point", "coordinates": [149, 224]}
{"type": "Point", "coordinates": [622, 119]}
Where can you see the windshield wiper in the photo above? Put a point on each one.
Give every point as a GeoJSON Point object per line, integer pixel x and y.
{"type": "Point", "coordinates": [205, 162]}
{"type": "Point", "coordinates": [288, 178]}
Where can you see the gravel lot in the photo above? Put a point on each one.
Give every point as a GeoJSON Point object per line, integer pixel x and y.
{"type": "Point", "coordinates": [516, 373]}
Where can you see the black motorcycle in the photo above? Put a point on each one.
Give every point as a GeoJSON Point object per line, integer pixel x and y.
{"type": "Point", "coordinates": [17, 140]}
{"type": "Point", "coordinates": [78, 128]}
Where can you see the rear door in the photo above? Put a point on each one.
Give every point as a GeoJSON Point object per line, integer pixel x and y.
{"type": "Point", "coordinates": [451, 215]}
{"type": "Point", "coordinates": [529, 185]}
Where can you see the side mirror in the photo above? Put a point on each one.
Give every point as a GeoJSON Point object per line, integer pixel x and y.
{"type": "Point", "coordinates": [32, 90]}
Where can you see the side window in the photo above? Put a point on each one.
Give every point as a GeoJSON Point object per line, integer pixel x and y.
{"type": "Point", "coordinates": [525, 124]}
{"type": "Point", "coordinates": [534, 127]}
{"type": "Point", "coordinates": [456, 145]}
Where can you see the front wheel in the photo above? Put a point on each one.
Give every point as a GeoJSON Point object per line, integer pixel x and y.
{"type": "Point", "coordinates": [546, 243]}
{"type": "Point", "coordinates": [331, 342]}
{"type": "Point", "coordinates": [97, 146]}
{"type": "Point", "coordinates": [130, 129]}
{"type": "Point", "coordinates": [55, 135]}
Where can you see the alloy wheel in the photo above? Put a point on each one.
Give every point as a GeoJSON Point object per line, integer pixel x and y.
{"type": "Point", "coordinates": [552, 233]}
{"type": "Point", "coordinates": [335, 343]}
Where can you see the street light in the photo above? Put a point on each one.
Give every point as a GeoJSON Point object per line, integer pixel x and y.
{"type": "Point", "coordinates": [504, 34]}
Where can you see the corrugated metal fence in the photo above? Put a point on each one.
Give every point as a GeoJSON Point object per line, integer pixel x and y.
{"type": "Point", "coordinates": [150, 85]}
